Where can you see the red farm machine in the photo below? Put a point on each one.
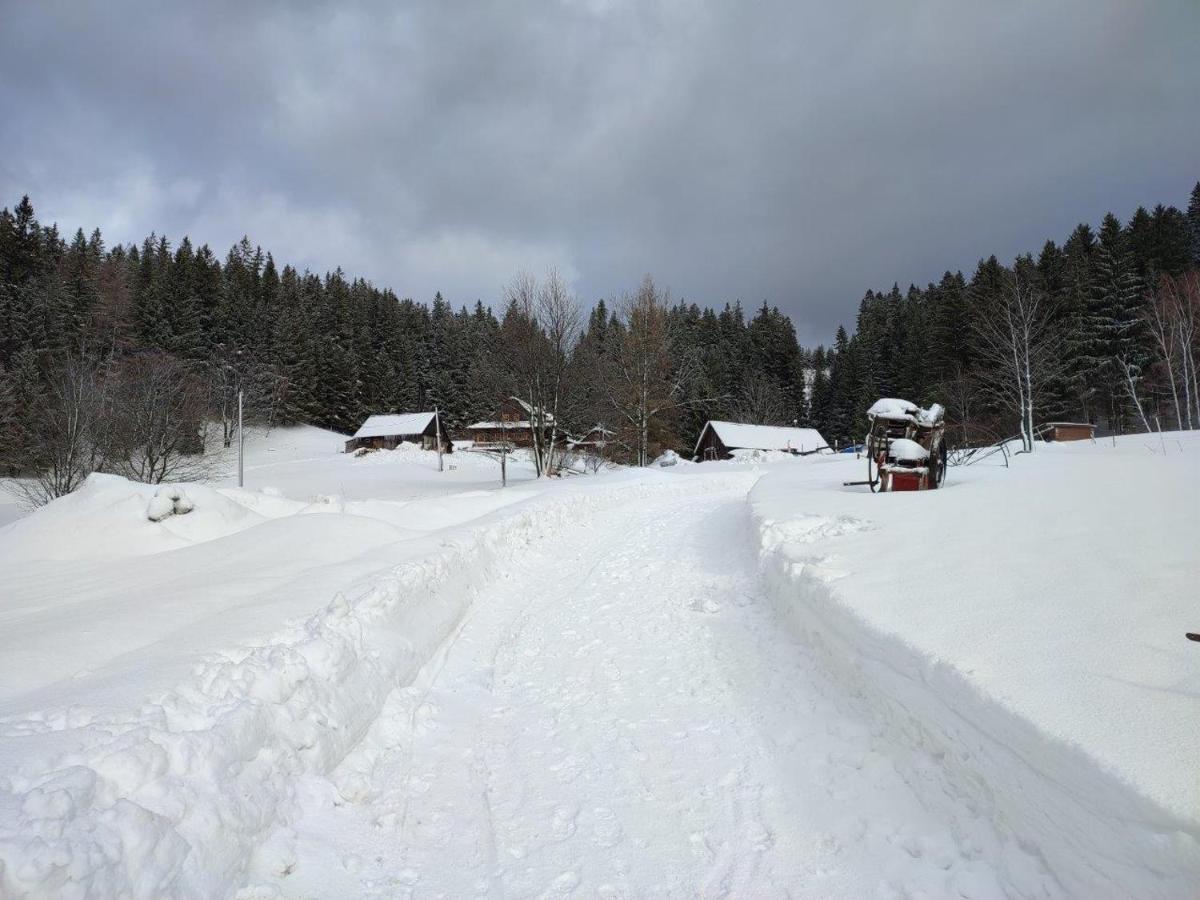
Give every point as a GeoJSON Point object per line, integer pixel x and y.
{"type": "Point", "coordinates": [905, 447]}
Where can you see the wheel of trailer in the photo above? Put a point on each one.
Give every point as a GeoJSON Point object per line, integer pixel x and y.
{"type": "Point", "coordinates": [937, 467]}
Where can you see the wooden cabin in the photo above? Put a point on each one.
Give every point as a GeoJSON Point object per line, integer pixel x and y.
{"type": "Point", "coordinates": [513, 425]}
{"type": "Point", "coordinates": [718, 440]}
{"type": "Point", "coordinates": [387, 432]}
{"type": "Point", "coordinates": [1068, 431]}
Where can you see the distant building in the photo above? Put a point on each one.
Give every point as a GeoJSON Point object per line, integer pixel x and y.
{"type": "Point", "coordinates": [595, 440]}
{"type": "Point", "coordinates": [718, 440]}
{"type": "Point", "coordinates": [513, 426]}
{"type": "Point", "coordinates": [1068, 431]}
{"type": "Point", "coordinates": [386, 432]}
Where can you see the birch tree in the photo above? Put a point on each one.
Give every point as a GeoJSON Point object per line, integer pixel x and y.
{"type": "Point", "coordinates": [1172, 317]}
{"type": "Point", "coordinates": [1018, 347]}
{"type": "Point", "coordinates": [539, 333]}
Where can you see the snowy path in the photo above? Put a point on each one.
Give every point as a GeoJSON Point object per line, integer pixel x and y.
{"type": "Point", "coordinates": [621, 715]}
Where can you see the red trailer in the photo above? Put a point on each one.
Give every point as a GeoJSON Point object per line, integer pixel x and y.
{"type": "Point", "coordinates": [906, 450]}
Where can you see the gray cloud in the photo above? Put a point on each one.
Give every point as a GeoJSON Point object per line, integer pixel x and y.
{"type": "Point", "coordinates": [787, 151]}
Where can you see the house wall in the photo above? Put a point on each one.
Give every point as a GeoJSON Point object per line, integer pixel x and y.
{"type": "Point", "coordinates": [710, 447]}
{"type": "Point", "coordinates": [1071, 433]}
{"type": "Point", "coordinates": [427, 439]}
{"type": "Point", "coordinates": [518, 437]}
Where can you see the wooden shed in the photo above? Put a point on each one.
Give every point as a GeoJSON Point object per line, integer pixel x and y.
{"type": "Point", "coordinates": [1068, 431]}
{"type": "Point", "coordinates": [513, 426]}
{"type": "Point", "coordinates": [387, 432]}
{"type": "Point", "coordinates": [718, 440]}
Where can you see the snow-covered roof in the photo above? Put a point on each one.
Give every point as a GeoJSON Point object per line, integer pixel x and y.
{"type": "Point", "coordinates": [510, 426]}
{"type": "Point", "coordinates": [739, 436]}
{"type": "Point", "coordinates": [388, 425]}
{"type": "Point", "coordinates": [530, 409]}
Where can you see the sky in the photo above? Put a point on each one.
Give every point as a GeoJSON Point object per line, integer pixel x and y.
{"type": "Point", "coordinates": [784, 151]}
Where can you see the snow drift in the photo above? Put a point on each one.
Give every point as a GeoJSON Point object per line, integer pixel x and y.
{"type": "Point", "coordinates": [1016, 629]}
{"type": "Point", "coordinates": [171, 797]}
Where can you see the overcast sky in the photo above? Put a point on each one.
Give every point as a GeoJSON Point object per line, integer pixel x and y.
{"type": "Point", "coordinates": [797, 152]}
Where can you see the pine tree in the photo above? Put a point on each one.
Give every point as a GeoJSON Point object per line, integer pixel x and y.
{"type": "Point", "coordinates": [1114, 318]}
{"type": "Point", "coordinates": [1193, 217]}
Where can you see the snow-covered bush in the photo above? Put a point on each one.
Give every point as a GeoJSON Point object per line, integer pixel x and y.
{"type": "Point", "coordinates": [168, 500]}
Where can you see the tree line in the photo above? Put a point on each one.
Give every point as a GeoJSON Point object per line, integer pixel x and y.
{"type": "Point", "coordinates": [132, 354]}
{"type": "Point", "coordinates": [1102, 328]}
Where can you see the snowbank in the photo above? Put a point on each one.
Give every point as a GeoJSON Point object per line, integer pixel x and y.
{"type": "Point", "coordinates": [1025, 627]}
{"type": "Point", "coordinates": [156, 771]}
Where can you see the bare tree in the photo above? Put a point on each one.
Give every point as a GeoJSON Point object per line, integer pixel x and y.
{"type": "Point", "coordinates": [540, 331]}
{"type": "Point", "coordinates": [760, 402]}
{"type": "Point", "coordinates": [1020, 350]}
{"type": "Point", "coordinates": [961, 392]}
{"type": "Point", "coordinates": [644, 381]}
{"type": "Point", "coordinates": [1172, 316]}
{"type": "Point", "coordinates": [232, 371]}
{"type": "Point", "coordinates": [156, 432]}
{"type": "Point", "coordinates": [559, 316]}
{"type": "Point", "coordinates": [67, 433]}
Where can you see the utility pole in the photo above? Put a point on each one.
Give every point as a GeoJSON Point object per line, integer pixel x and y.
{"type": "Point", "coordinates": [241, 444]}
{"type": "Point", "coordinates": [437, 419]}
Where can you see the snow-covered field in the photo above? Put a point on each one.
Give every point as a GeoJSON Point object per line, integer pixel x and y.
{"type": "Point", "coordinates": [363, 677]}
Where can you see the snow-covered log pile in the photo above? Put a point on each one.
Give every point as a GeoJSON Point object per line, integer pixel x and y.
{"type": "Point", "coordinates": [1023, 630]}
{"type": "Point", "coordinates": [164, 684]}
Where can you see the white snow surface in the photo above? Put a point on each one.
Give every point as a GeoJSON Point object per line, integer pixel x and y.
{"type": "Point", "coordinates": [893, 408]}
{"type": "Point", "coordinates": [385, 425]}
{"type": "Point", "coordinates": [906, 450]}
{"type": "Point", "coordinates": [363, 677]}
{"type": "Point", "coordinates": [1025, 626]}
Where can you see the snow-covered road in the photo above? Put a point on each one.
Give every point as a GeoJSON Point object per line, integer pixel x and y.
{"type": "Point", "coordinates": [621, 714]}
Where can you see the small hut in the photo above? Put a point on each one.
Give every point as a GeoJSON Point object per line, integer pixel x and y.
{"type": "Point", "coordinates": [387, 432]}
{"type": "Point", "coordinates": [718, 440]}
{"type": "Point", "coordinates": [1068, 431]}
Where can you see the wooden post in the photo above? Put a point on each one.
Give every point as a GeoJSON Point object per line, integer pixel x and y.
{"type": "Point", "coordinates": [241, 445]}
{"type": "Point", "coordinates": [437, 420]}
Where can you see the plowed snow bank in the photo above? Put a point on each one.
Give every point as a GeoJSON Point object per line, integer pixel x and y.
{"type": "Point", "coordinates": [1026, 625]}
{"type": "Point", "coordinates": [154, 769]}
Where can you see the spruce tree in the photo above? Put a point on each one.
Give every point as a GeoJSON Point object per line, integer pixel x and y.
{"type": "Point", "coordinates": [1114, 318]}
{"type": "Point", "coordinates": [1193, 216]}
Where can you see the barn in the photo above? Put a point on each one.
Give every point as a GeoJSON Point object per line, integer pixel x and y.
{"type": "Point", "coordinates": [513, 426]}
{"type": "Point", "coordinates": [386, 432]}
{"type": "Point", "coordinates": [718, 440]}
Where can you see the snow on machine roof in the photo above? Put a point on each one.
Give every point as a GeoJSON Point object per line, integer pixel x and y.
{"type": "Point", "coordinates": [904, 411]}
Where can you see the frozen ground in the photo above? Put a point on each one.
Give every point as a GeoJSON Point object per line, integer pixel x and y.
{"type": "Point", "coordinates": [360, 677]}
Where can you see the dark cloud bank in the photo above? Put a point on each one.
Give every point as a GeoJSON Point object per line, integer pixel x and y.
{"type": "Point", "coordinates": [792, 152]}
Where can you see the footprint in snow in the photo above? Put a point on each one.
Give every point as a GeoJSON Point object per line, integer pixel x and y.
{"type": "Point", "coordinates": [606, 829]}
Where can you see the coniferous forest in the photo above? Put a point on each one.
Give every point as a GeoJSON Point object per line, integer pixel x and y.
{"type": "Point", "coordinates": [1102, 327]}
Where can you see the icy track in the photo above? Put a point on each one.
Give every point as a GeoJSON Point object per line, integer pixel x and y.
{"type": "Point", "coordinates": [620, 715]}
